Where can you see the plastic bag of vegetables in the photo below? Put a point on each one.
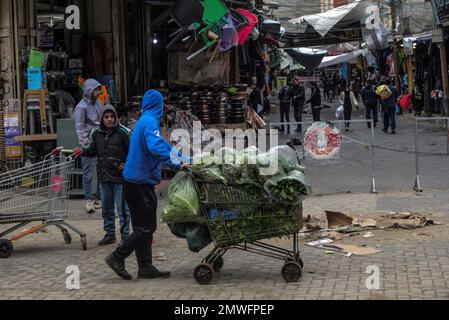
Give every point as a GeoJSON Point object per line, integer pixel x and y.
{"type": "Point", "coordinates": [278, 161]}
{"type": "Point", "coordinates": [205, 166]}
{"type": "Point", "coordinates": [292, 188]}
{"type": "Point", "coordinates": [197, 236]}
{"type": "Point", "coordinates": [182, 203]}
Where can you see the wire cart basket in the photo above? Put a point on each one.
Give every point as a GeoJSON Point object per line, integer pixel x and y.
{"type": "Point", "coordinates": [36, 193]}
{"type": "Point", "coordinates": [241, 219]}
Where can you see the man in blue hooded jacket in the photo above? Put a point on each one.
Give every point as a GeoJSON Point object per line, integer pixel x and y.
{"type": "Point", "coordinates": [148, 153]}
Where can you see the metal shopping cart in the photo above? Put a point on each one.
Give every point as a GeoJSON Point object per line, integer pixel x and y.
{"type": "Point", "coordinates": [241, 219]}
{"type": "Point", "coordinates": [36, 193]}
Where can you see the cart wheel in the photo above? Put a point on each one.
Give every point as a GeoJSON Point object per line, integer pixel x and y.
{"type": "Point", "coordinates": [301, 263]}
{"type": "Point", "coordinates": [6, 249]}
{"type": "Point", "coordinates": [203, 274]}
{"type": "Point", "coordinates": [292, 272]}
{"type": "Point", "coordinates": [218, 265]}
{"type": "Point", "coordinates": [67, 236]}
{"type": "Point", "coordinates": [296, 259]}
{"type": "Point", "coordinates": [84, 242]}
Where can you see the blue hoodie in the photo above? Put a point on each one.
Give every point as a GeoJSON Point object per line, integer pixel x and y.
{"type": "Point", "coordinates": [149, 151]}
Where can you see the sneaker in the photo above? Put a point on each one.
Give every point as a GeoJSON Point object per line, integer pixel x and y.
{"type": "Point", "coordinates": [107, 240]}
{"type": "Point", "coordinates": [90, 206]}
{"type": "Point", "coordinates": [152, 273]}
{"type": "Point", "coordinates": [118, 266]}
{"type": "Point", "coordinates": [385, 130]}
{"type": "Point", "coordinates": [393, 132]}
{"type": "Point", "coordinates": [98, 204]}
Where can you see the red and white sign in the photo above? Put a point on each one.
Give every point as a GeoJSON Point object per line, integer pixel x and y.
{"type": "Point", "coordinates": [322, 141]}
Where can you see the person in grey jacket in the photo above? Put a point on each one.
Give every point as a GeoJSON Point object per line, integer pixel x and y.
{"type": "Point", "coordinates": [87, 117]}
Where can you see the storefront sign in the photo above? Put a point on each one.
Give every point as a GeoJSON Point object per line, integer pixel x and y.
{"type": "Point", "coordinates": [281, 82]}
{"type": "Point", "coordinates": [437, 36]}
{"type": "Point", "coordinates": [12, 130]}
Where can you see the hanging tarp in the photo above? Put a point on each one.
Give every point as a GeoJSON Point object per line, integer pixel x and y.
{"type": "Point", "coordinates": [343, 58]}
{"type": "Point", "coordinates": [308, 58]}
{"type": "Point", "coordinates": [325, 21]}
{"type": "Point", "coordinates": [342, 24]}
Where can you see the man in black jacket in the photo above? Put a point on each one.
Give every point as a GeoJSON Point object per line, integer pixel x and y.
{"type": "Point", "coordinates": [299, 98]}
{"type": "Point", "coordinates": [315, 102]}
{"type": "Point", "coordinates": [370, 100]}
{"type": "Point", "coordinates": [285, 98]}
{"type": "Point", "coordinates": [110, 144]}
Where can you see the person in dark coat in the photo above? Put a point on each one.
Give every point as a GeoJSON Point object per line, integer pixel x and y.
{"type": "Point", "coordinates": [110, 144]}
{"type": "Point", "coordinates": [299, 99]}
{"type": "Point", "coordinates": [418, 100]}
{"type": "Point", "coordinates": [371, 102]}
{"type": "Point", "coordinates": [285, 99]}
{"type": "Point", "coordinates": [315, 102]}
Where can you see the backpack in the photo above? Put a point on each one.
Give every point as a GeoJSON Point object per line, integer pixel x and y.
{"type": "Point", "coordinates": [384, 92]}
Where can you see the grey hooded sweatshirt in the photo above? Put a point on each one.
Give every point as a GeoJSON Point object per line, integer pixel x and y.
{"type": "Point", "coordinates": [88, 113]}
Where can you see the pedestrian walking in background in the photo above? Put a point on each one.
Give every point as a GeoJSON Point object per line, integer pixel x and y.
{"type": "Point", "coordinates": [87, 120]}
{"type": "Point", "coordinates": [255, 100]}
{"type": "Point", "coordinates": [143, 171]}
{"type": "Point", "coordinates": [371, 102]}
{"type": "Point", "coordinates": [266, 103]}
{"type": "Point", "coordinates": [349, 102]}
{"type": "Point", "coordinates": [110, 144]}
{"type": "Point", "coordinates": [388, 96]}
{"type": "Point", "coordinates": [315, 102]}
{"type": "Point", "coordinates": [299, 99]}
{"type": "Point", "coordinates": [418, 100]}
{"type": "Point", "coordinates": [285, 99]}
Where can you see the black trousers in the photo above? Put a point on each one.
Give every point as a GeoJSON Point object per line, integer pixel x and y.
{"type": "Point", "coordinates": [348, 116]}
{"type": "Point", "coordinates": [285, 115]}
{"type": "Point", "coordinates": [371, 113]}
{"type": "Point", "coordinates": [389, 117]}
{"type": "Point", "coordinates": [299, 110]}
{"type": "Point", "coordinates": [142, 203]}
{"type": "Point", "coordinates": [316, 111]}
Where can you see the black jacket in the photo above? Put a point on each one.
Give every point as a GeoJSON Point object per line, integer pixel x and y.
{"type": "Point", "coordinates": [286, 94]}
{"type": "Point", "coordinates": [111, 147]}
{"type": "Point", "coordinates": [315, 100]}
{"type": "Point", "coordinates": [369, 95]}
{"type": "Point", "coordinates": [299, 96]}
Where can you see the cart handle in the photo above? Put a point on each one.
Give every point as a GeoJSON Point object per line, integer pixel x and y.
{"type": "Point", "coordinates": [57, 152]}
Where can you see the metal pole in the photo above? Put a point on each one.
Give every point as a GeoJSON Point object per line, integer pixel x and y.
{"type": "Point", "coordinates": [417, 187]}
{"type": "Point", "coordinates": [444, 76]}
{"type": "Point", "coordinates": [373, 151]}
{"type": "Point", "coordinates": [447, 126]}
{"type": "Point", "coordinates": [394, 14]}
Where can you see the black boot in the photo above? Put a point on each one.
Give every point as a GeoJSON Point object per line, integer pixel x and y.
{"type": "Point", "coordinates": [152, 273]}
{"type": "Point", "coordinates": [107, 240]}
{"type": "Point", "coordinates": [118, 266]}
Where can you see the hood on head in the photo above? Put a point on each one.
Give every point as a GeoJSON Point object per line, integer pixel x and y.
{"type": "Point", "coordinates": [153, 103]}
{"type": "Point", "coordinates": [89, 86]}
{"type": "Point", "coordinates": [108, 108]}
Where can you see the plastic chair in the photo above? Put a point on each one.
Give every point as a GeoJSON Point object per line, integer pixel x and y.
{"type": "Point", "coordinates": [215, 18]}
{"type": "Point", "coordinates": [184, 13]}
{"type": "Point", "coordinates": [246, 32]}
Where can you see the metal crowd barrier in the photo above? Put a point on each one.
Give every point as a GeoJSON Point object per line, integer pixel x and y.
{"type": "Point", "coordinates": [418, 187]}
{"type": "Point", "coordinates": [340, 125]}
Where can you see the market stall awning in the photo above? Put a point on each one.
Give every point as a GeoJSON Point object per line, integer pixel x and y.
{"type": "Point", "coordinates": [343, 58]}
{"type": "Point", "coordinates": [308, 58]}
